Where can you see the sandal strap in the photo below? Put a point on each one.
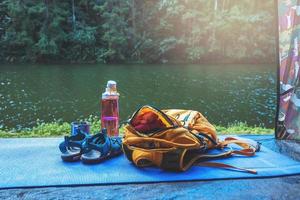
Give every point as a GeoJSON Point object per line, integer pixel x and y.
{"type": "Point", "coordinates": [102, 146]}
{"type": "Point", "coordinates": [108, 145]}
{"type": "Point", "coordinates": [116, 144]}
{"type": "Point", "coordinates": [63, 146]}
{"type": "Point", "coordinates": [72, 141]}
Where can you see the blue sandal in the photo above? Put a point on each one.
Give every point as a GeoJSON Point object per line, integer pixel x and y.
{"type": "Point", "coordinates": [71, 148]}
{"type": "Point", "coordinates": [100, 147]}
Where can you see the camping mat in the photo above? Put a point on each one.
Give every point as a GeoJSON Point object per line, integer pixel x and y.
{"type": "Point", "coordinates": [36, 162]}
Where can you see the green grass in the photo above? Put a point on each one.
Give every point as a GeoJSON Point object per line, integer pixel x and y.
{"type": "Point", "coordinates": [63, 128]}
{"type": "Point", "coordinates": [51, 129]}
{"type": "Point", "coordinates": [243, 128]}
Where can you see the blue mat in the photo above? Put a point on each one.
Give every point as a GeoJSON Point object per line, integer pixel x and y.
{"type": "Point", "coordinates": [36, 163]}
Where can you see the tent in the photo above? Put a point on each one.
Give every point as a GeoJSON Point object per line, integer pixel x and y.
{"type": "Point", "coordinates": [288, 101]}
{"type": "Point", "coordinates": [21, 165]}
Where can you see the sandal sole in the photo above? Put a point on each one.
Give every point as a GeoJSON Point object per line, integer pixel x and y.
{"type": "Point", "coordinates": [71, 158]}
{"type": "Point", "coordinates": [100, 159]}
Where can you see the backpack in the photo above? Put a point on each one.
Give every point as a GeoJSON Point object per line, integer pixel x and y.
{"type": "Point", "coordinates": [176, 140]}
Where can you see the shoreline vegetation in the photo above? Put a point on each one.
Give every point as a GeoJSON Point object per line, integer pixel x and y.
{"type": "Point", "coordinates": [55, 129]}
{"type": "Point", "coordinates": [132, 31]}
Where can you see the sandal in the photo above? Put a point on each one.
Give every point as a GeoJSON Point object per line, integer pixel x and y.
{"type": "Point", "coordinates": [101, 147]}
{"type": "Point", "coordinates": [71, 147]}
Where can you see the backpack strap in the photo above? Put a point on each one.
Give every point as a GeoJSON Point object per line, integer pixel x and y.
{"type": "Point", "coordinates": [222, 165]}
{"type": "Point", "coordinates": [174, 160]}
{"type": "Point", "coordinates": [132, 141]}
{"type": "Point", "coordinates": [198, 161]}
{"type": "Point", "coordinates": [200, 137]}
{"type": "Point", "coordinates": [247, 150]}
{"type": "Point", "coordinates": [181, 159]}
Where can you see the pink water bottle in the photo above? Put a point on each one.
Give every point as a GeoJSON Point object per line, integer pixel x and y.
{"type": "Point", "coordinates": [110, 109]}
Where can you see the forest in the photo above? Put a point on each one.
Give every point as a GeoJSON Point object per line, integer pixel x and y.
{"type": "Point", "coordinates": [135, 31]}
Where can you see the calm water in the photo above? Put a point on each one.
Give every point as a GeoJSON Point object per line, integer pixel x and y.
{"type": "Point", "coordinates": [224, 93]}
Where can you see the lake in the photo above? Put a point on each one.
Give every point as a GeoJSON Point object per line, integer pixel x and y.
{"type": "Point", "coordinates": [223, 93]}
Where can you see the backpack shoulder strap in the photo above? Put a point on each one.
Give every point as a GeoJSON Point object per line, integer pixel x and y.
{"type": "Point", "coordinates": [247, 150]}
{"type": "Point", "coordinates": [247, 147]}
{"type": "Point", "coordinates": [222, 165]}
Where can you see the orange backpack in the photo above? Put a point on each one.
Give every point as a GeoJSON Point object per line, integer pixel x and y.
{"type": "Point", "coordinates": [176, 140]}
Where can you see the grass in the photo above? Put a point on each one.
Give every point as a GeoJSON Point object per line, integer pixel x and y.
{"type": "Point", "coordinates": [243, 128]}
{"type": "Point", "coordinates": [54, 129]}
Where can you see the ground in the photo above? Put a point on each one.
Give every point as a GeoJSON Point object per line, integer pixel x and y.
{"type": "Point", "coordinates": [264, 188]}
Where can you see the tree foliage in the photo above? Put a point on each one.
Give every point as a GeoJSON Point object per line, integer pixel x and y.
{"type": "Point", "coordinates": [106, 31]}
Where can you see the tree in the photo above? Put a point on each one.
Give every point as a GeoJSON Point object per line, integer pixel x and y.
{"type": "Point", "coordinates": [107, 31]}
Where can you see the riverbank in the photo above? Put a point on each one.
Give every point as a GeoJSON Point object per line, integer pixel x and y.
{"type": "Point", "coordinates": [54, 129]}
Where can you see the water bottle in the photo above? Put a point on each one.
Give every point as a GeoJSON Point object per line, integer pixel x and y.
{"type": "Point", "coordinates": [110, 109]}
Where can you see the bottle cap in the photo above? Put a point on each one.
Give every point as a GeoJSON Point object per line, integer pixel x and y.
{"type": "Point", "coordinates": [111, 87]}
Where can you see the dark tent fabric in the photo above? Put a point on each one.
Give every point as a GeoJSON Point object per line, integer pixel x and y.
{"type": "Point", "coordinates": [288, 112]}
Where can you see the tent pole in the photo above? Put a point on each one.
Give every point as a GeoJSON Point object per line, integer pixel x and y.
{"type": "Point", "coordinates": [276, 2]}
